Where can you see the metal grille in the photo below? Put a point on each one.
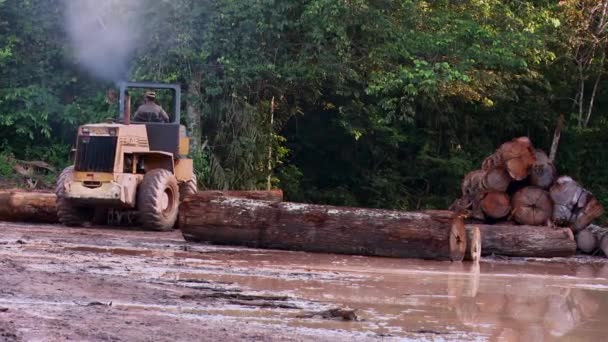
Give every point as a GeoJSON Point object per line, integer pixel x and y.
{"type": "Point", "coordinates": [95, 154]}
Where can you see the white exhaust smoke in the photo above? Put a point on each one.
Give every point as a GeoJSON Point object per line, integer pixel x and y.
{"type": "Point", "coordinates": [104, 34]}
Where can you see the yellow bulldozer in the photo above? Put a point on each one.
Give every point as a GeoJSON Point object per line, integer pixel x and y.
{"type": "Point", "coordinates": [125, 168]}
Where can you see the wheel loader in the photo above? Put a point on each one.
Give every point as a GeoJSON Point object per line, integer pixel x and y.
{"type": "Point", "coordinates": [125, 168]}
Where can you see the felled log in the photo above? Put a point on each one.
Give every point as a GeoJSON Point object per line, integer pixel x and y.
{"type": "Point", "coordinates": [591, 238]}
{"type": "Point", "coordinates": [496, 179]}
{"type": "Point", "coordinates": [573, 205]}
{"type": "Point", "coordinates": [262, 195]}
{"type": "Point", "coordinates": [40, 207]}
{"type": "Point", "coordinates": [586, 241]}
{"type": "Point", "coordinates": [532, 206]}
{"type": "Point", "coordinates": [525, 241]}
{"type": "Point", "coordinates": [589, 212]}
{"type": "Point", "coordinates": [36, 207]}
{"type": "Point", "coordinates": [516, 156]}
{"type": "Point", "coordinates": [479, 181]}
{"type": "Point", "coordinates": [435, 235]}
{"type": "Point", "coordinates": [475, 187]}
{"type": "Point", "coordinates": [496, 205]}
{"type": "Point", "coordinates": [543, 173]}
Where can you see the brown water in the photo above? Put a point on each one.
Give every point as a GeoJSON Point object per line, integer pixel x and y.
{"type": "Point", "coordinates": [496, 300]}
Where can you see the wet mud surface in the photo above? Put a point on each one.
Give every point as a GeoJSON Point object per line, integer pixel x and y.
{"type": "Point", "coordinates": [58, 283]}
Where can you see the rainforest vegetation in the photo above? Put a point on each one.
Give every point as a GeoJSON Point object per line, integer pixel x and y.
{"type": "Point", "coordinates": [374, 103]}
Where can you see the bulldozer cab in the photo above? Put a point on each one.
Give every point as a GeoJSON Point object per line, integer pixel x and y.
{"type": "Point", "coordinates": [162, 136]}
{"type": "Point", "coordinates": [132, 94]}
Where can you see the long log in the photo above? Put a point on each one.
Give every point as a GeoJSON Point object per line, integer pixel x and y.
{"type": "Point", "coordinates": [262, 195]}
{"type": "Point", "coordinates": [525, 241]}
{"type": "Point", "coordinates": [36, 207]}
{"type": "Point", "coordinates": [437, 235]}
{"type": "Point", "coordinates": [40, 207]}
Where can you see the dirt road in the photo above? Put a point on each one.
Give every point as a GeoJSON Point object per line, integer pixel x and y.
{"type": "Point", "coordinates": [60, 284]}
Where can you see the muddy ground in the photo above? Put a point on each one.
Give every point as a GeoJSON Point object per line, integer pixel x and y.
{"type": "Point", "coordinates": [61, 284]}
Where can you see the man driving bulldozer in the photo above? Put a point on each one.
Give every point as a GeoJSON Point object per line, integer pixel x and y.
{"type": "Point", "coordinates": [150, 111]}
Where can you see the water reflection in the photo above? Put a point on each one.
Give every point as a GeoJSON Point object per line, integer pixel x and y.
{"type": "Point", "coordinates": [529, 308]}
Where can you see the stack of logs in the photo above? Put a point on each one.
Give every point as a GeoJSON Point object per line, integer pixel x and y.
{"type": "Point", "coordinates": [518, 188]}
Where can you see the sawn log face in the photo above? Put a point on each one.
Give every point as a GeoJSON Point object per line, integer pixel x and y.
{"type": "Point", "coordinates": [317, 228]}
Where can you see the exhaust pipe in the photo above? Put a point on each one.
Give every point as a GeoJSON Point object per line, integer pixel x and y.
{"type": "Point", "coordinates": [127, 120]}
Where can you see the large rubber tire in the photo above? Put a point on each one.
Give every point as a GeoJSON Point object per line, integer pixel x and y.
{"type": "Point", "coordinates": [68, 213]}
{"type": "Point", "coordinates": [188, 188]}
{"type": "Point", "coordinates": [158, 200]}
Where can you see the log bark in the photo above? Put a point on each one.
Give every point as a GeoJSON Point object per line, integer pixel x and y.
{"type": "Point", "coordinates": [438, 235]}
{"type": "Point", "coordinates": [262, 195]}
{"type": "Point", "coordinates": [532, 206]}
{"type": "Point", "coordinates": [40, 207]}
{"type": "Point", "coordinates": [36, 207]}
{"type": "Point", "coordinates": [496, 205]}
{"type": "Point", "coordinates": [473, 183]}
{"type": "Point", "coordinates": [525, 241]}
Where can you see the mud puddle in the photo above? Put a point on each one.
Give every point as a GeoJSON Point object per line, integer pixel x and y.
{"type": "Point", "coordinates": [50, 274]}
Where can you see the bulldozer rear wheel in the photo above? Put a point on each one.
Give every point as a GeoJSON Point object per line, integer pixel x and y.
{"type": "Point", "coordinates": [158, 200]}
{"type": "Point", "coordinates": [68, 213]}
{"type": "Point", "coordinates": [188, 188]}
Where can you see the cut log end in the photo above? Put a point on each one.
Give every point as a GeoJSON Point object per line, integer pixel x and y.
{"type": "Point", "coordinates": [458, 240]}
{"type": "Point", "coordinates": [473, 245]}
{"type": "Point", "coordinates": [532, 206]}
{"type": "Point", "coordinates": [586, 241]}
{"type": "Point", "coordinates": [496, 205]}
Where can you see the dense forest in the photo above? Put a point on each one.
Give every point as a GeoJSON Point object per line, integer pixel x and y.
{"type": "Point", "coordinates": [375, 103]}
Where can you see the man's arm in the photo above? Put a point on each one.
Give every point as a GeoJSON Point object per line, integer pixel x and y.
{"type": "Point", "coordinates": [164, 115]}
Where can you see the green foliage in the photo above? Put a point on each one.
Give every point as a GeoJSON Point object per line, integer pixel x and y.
{"type": "Point", "coordinates": [379, 103]}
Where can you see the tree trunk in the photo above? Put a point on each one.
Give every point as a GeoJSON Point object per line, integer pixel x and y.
{"type": "Point", "coordinates": [496, 205]}
{"type": "Point", "coordinates": [193, 112]}
{"type": "Point", "coordinates": [435, 235]}
{"type": "Point", "coordinates": [532, 206]}
{"type": "Point", "coordinates": [557, 134]}
{"type": "Point", "coordinates": [525, 241]}
{"type": "Point", "coordinates": [38, 207]}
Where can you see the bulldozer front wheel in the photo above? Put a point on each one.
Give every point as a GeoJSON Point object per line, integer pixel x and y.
{"type": "Point", "coordinates": [68, 213]}
{"type": "Point", "coordinates": [158, 200]}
